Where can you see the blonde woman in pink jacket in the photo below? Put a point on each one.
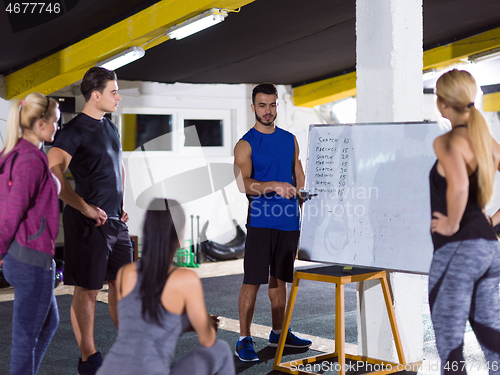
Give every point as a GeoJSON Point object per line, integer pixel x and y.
{"type": "Point", "coordinates": [29, 221]}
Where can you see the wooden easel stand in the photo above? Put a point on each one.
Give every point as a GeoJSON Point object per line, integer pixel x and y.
{"type": "Point", "coordinates": [336, 275]}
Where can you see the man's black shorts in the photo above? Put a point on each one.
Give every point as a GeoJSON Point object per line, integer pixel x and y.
{"type": "Point", "coordinates": [269, 252]}
{"type": "Point", "coordinates": [93, 254]}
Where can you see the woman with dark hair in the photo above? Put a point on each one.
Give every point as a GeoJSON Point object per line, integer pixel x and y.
{"type": "Point", "coordinates": [465, 271]}
{"type": "Point", "coordinates": [29, 221]}
{"type": "Point", "coordinates": [158, 303]}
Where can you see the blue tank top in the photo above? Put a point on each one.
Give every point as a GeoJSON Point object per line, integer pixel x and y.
{"type": "Point", "coordinates": [272, 160]}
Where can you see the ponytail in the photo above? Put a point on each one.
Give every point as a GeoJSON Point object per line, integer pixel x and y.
{"type": "Point", "coordinates": [164, 222]}
{"type": "Point", "coordinates": [458, 89]}
{"type": "Point", "coordinates": [482, 143]}
{"type": "Point", "coordinates": [13, 128]}
{"type": "Point", "coordinates": [23, 115]}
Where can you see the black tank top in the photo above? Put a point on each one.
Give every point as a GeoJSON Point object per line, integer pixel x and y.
{"type": "Point", "coordinates": [473, 225]}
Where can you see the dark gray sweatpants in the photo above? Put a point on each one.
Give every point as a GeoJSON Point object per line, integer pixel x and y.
{"type": "Point", "coordinates": [464, 284]}
{"type": "Point", "coordinates": [218, 359]}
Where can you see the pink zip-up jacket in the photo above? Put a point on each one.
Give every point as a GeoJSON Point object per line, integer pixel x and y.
{"type": "Point", "coordinates": [29, 208]}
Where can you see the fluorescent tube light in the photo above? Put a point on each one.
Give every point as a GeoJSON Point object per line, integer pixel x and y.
{"type": "Point", "coordinates": [195, 24]}
{"type": "Point", "coordinates": [486, 55]}
{"type": "Point", "coordinates": [123, 58]}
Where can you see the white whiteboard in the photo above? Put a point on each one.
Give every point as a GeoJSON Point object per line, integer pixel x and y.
{"type": "Point", "coordinates": [373, 205]}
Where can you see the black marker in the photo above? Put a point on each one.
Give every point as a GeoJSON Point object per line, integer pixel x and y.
{"type": "Point", "coordinates": [305, 195]}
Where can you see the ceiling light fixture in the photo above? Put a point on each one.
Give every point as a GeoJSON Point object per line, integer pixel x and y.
{"type": "Point", "coordinates": [121, 59]}
{"type": "Point", "coordinates": [486, 55]}
{"type": "Point", "coordinates": [195, 24]}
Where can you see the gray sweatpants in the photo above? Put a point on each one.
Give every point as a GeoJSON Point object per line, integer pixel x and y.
{"type": "Point", "coordinates": [464, 284]}
{"type": "Point", "coordinates": [218, 359]}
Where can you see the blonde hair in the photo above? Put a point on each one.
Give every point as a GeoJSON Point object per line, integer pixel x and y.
{"type": "Point", "coordinates": [458, 89]}
{"type": "Point", "coordinates": [24, 114]}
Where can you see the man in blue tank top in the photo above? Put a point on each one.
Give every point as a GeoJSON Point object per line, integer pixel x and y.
{"type": "Point", "coordinates": [269, 171]}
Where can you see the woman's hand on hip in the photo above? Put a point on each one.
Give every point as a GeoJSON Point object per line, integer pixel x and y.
{"type": "Point", "coordinates": [440, 224]}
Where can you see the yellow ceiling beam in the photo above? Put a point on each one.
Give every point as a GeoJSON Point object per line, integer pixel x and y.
{"type": "Point", "coordinates": [491, 102]}
{"type": "Point", "coordinates": [344, 86]}
{"type": "Point", "coordinates": [441, 57]}
{"type": "Point", "coordinates": [67, 66]}
{"type": "Point", "coordinates": [325, 91]}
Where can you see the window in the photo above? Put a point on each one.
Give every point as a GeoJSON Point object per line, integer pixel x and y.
{"type": "Point", "coordinates": [209, 133]}
{"type": "Point", "coordinates": [186, 130]}
{"type": "Point", "coordinates": [209, 129]}
{"type": "Point", "coordinates": [137, 130]}
{"type": "Point", "coordinates": [150, 127]}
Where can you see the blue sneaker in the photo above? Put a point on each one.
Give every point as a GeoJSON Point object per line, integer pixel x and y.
{"type": "Point", "coordinates": [291, 341]}
{"type": "Point", "coordinates": [244, 350]}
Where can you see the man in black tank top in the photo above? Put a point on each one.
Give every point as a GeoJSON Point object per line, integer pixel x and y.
{"type": "Point", "coordinates": [96, 238]}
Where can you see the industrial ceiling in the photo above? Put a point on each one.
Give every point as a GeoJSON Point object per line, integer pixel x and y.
{"type": "Point", "coordinates": [294, 42]}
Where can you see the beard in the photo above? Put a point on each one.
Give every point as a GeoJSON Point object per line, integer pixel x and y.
{"type": "Point", "coordinates": [266, 122]}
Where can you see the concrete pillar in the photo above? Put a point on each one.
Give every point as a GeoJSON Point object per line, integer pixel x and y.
{"type": "Point", "coordinates": [389, 89]}
{"type": "Point", "coordinates": [389, 60]}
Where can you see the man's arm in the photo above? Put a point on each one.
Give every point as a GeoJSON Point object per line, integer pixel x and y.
{"type": "Point", "coordinates": [124, 217]}
{"type": "Point", "coordinates": [58, 162]}
{"type": "Point", "coordinates": [243, 171]}
{"type": "Point", "coordinates": [300, 179]}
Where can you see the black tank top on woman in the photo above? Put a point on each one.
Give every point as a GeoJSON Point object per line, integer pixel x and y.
{"type": "Point", "coordinates": [473, 225]}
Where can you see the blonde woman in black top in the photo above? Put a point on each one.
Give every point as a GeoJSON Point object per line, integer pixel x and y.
{"type": "Point", "coordinates": [465, 270]}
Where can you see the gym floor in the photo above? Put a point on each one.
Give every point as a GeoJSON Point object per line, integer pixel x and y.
{"type": "Point", "coordinates": [313, 318]}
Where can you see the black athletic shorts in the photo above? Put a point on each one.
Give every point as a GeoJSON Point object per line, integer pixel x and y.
{"type": "Point", "coordinates": [269, 252]}
{"type": "Point", "coordinates": [93, 254]}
